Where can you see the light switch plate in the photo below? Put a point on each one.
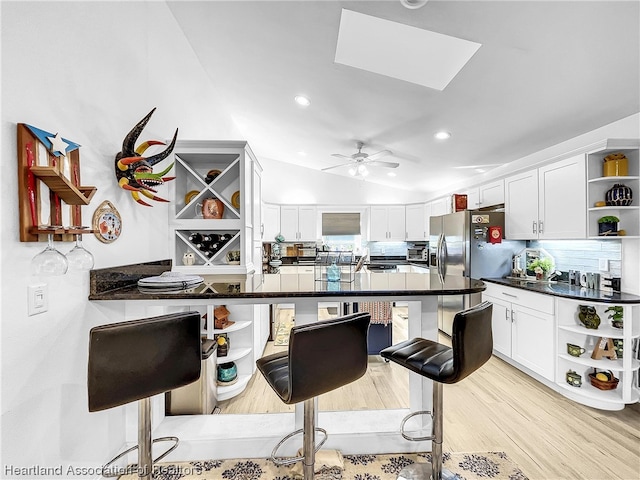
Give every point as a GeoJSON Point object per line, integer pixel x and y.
{"type": "Point", "coordinates": [38, 298]}
{"type": "Point", "coordinates": [603, 265]}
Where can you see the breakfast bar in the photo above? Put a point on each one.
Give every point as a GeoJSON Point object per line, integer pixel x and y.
{"type": "Point", "coordinates": [252, 435]}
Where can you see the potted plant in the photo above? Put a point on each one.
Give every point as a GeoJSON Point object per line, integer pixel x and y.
{"type": "Point", "coordinates": [608, 225]}
{"type": "Point", "coordinates": [615, 314]}
{"type": "Point", "coordinates": [541, 267]}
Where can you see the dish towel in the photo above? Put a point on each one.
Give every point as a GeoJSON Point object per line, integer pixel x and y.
{"type": "Point", "coordinates": [381, 312]}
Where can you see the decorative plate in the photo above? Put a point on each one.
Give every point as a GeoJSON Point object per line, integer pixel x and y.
{"type": "Point", "coordinates": [189, 196]}
{"type": "Point", "coordinates": [107, 224]}
{"type": "Point", "coordinates": [235, 200]}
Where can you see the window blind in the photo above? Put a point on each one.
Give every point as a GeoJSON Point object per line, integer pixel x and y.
{"type": "Point", "coordinates": [341, 224]}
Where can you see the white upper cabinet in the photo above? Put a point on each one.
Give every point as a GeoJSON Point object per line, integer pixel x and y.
{"type": "Point", "coordinates": [486, 195]}
{"type": "Point", "coordinates": [441, 206]}
{"type": "Point", "coordinates": [417, 221]}
{"type": "Point", "coordinates": [387, 223]}
{"type": "Point", "coordinates": [270, 222]}
{"type": "Point", "coordinates": [491, 194]}
{"type": "Point", "coordinates": [547, 203]}
{"type": "Point", "coordinates": [298, 223]}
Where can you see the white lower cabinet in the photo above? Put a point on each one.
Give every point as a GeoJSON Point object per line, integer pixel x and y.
{"type": "Point", "coordinates": [532, 332]}
{"type": "Point", "coordinates": [523, 328]}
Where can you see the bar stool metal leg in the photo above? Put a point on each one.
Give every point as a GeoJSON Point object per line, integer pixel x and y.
{"type": "Point", "coordinates": [145, 462]}
{"type": "Point", "coordinates": [433, 470]}
{"type": "Point", "coordinates": [308, 442]}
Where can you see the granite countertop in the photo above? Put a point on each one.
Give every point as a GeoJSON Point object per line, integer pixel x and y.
{"type": "Point", "coordinates": [561, 289]}
{"type": "Point", "coordinates": [120, 283]}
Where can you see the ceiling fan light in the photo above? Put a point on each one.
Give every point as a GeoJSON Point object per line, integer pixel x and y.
{"type": "Point", "coordinates": [362, 170]}
{"type": "Point", "coordinates": [442, 135]}
{"type": "Point", "coordinates": [302, 100]}
{"type": "Point", "coordinates": [352, 171]}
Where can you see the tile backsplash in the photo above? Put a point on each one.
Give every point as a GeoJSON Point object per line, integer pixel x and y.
{"type": "Point", "coordinates": [583, 255]}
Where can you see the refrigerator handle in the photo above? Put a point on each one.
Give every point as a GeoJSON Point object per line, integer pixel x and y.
{"type": "Point", "coordinates": [443, 256]}
{"type": "Point", "coordinates": [439, 257]}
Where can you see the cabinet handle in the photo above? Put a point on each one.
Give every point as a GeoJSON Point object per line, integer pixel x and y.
{"type": "Point", "coordinates": [513, 316]}
{"type": "Point", "coordinates": [539, 226]}
{"type": "Point", "coordinates": [535, 226]}
{"type": "Point", "coordinates": [509, 295]}
{"type": "Point", "coordinates": [506, 314]}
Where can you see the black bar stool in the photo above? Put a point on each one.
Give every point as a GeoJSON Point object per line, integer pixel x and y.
{"type": "Point", "coordinates": [135, 360]}
{"type": "Point", "coordinates": [472, 346]}
{"type": "Point", "coordinates": [322, 356]}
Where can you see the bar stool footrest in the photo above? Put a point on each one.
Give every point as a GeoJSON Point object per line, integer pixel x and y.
{"type": "Point", "coordinates": [282, 461]}
{"type": "Point", "coordinates": [423, 471]}
{"type": "Point", "coordinates": [134, 467]}
{"type": "Point", "coordinates": [411, 415]}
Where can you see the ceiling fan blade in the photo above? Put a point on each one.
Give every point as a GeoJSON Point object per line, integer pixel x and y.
{"type": "Point", "coordinates": [339, 155]}
{"type": "Point", "coordinates": [479, 166]}
{"type": "Point", "coordinates": [378, 163]}
{"type": "Point", "coordinates": [380, 154]}
{"type": "Point", "coordinates": [336, 166]}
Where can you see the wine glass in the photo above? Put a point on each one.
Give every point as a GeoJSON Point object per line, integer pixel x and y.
{"type": "Point", "coordinates": [79, 258]}
{"type": "Point", "coordinates": [50, 261]}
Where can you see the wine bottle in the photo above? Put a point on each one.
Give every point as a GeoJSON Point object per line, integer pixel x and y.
{"type": "Point", "coordinates": [195, 238]}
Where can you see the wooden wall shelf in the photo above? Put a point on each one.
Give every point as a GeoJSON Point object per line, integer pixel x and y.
{"type": "Point", "coordinates": [50, 202]}
{"type": "Point", "coordinates": [58, 183]}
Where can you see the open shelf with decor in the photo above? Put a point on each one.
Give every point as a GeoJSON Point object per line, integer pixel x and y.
{"type": "Point", "coordinates": [588, 343]}
{"type": "Point", "coordinates": [613, 187]}
{"type": "Point", "coordinates": [212, 196]}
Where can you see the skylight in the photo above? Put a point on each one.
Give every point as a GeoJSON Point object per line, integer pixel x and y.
{"type": "Point", "coordinates": [400, 51]}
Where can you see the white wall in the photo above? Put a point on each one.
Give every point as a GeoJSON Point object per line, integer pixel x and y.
{"type": "Point", "coordinates": [89, 71]}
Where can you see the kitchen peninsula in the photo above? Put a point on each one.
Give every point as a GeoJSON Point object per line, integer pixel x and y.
{"type": "Point", "coordinates": [224, 436]}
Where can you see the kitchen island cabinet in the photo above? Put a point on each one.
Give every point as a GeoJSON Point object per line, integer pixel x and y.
{"type": "Point", "coordinates": [533, 323]}
{"type": "Point", "coordinates": [361, 431]}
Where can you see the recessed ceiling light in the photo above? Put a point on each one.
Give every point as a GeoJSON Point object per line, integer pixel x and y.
{"type": "Point", "coordinates": [413, 4]}
{"type": "Point", "coordinates": [302, 100]}
{"type": "Point", "coordinates": [442, 135]}
{"type": "Point", "coordinates": [302, 154]}
{"type": "Point", "coordinates": [391, 174]}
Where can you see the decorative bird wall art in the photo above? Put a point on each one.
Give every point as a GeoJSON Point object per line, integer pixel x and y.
{"type": "Point", "coordinates": [134, 172]}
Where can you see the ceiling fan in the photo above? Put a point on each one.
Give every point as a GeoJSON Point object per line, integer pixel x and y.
{"type": "Point", "coordinates": [360, 160]}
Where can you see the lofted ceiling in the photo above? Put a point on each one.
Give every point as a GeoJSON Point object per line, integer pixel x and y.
{"type": "Point", "coordinates": [546, 71]}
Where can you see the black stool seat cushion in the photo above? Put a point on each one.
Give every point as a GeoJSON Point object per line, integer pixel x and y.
{"type": "Point", "coordinates": [322, 356]}
{"type": "Point", "coordinates": [136, 359]}
{"type": "Point", "coordinates": [471, 347]}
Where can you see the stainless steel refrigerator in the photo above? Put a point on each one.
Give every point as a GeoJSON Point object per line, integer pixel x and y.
{"type": "Point", "coordinates": [458, 246]}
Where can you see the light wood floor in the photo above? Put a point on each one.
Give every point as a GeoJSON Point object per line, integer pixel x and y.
{"type": "Point", "coordinates": [498, 408]}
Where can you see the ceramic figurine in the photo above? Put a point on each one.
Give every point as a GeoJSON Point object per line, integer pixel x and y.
{"type": "Point", "coordinates": [188, 258]}
{"type": "Point", "coordinates": [589, 317]}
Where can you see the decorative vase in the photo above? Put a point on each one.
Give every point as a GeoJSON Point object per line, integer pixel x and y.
{"type": "Point", "coordinates": [212, 208]}
{"type": "Point", "coordinates": [588, 317]}
{"type": "Point", "coordinates": [227, 372]}
{"type": "Point", "coordinates": [333, 272]}
{"type": "Point", "coordinates": [619, 195]}
{"type": "Point", "coordinates": [607, 228]}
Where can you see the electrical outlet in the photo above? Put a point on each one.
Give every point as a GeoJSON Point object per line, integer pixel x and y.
{"type": "Point", "coordinates": [603, 265]}
{"type": "Point", "coordinates": [38, 298]}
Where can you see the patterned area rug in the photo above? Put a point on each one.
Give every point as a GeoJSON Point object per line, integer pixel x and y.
{"type": "Point", "coordinates": [282, 333]}
{"type": "Point", "coordinates": [468, 466]}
